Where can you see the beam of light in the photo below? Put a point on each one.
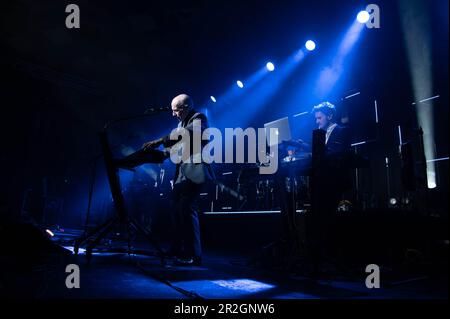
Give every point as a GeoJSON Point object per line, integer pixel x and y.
{"type": "Point", "coordinates": [299, 55]}
{"type": "Point", "coordinates": [126, 176]}
{"type": "Point", "coordinates": [261, 94]}
{"type": "Point", "coordinates": [363, 16]}
{"type": "Point", "coordinates": [213, 99]}
{"type": "Point", "coordinates": [81, 251]}
{"type": "Point", "coordinates": [243, 285]}
{"type": "Point", "coordinates": [150, 172]}
{"type": "Point", "coordinates": [226, 100]}
{"type": "Point", "coordinates": [225, 106]}
{"type": "Point", "coordinates": [430, 184]}
{"type": "Point", "coordinates": [49, 232]}
{"type": "Point", "coordinates": [416, 29]}
{"type": "Point", "coordinates": [227, 288]}
{"type": "Point", "coordinates": [331, 74]}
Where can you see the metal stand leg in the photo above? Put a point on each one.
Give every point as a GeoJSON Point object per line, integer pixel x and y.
{"type": "Point", "coordinates": [85, 237]}
{"type": "Point", "coordinates": [150, 237]}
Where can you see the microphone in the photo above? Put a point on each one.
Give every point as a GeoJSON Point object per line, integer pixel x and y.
{"type": "Point", "coordinates": [153, 110]}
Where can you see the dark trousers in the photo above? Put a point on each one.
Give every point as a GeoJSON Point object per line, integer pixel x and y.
{"type": "Point", "coordinates": [186, 228]}
{"type": "Point", "coordinates": [329, 189]}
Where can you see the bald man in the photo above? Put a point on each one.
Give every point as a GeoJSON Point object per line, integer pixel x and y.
{"type": "Point", "coordinates": [189, 179]}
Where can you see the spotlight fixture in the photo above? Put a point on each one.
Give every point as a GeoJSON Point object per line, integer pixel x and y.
{"type": "Point", "coordinates": [310, 45]}
{"type": "Point", "coordinates": [363, 16]}
{"type": "Point", "coordinates": [393, 201]}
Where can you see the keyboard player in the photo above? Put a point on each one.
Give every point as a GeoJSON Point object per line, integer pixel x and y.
{"type": "Point", "coordinates": [333, 178]}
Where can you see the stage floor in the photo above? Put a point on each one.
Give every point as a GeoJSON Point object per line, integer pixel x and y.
{"type": "Point", "coordinates": [223, 275]}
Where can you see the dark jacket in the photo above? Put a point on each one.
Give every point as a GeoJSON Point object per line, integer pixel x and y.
{"type": "Point", "coordinates": [339, 141]}
{"type": "Point", "coordinates": [197, 172]}
{"type": "Point", "coordinates": [338, 155]}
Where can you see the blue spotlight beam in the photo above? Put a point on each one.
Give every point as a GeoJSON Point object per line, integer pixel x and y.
{"type": "Point", "coordinates": [226, 102]}
{"type": "Point", "coordinates": [417, 35]}
{"type": "Point", "coordinates": [261, 94]}
{"type": "Point", "coordinates": [330, 75]}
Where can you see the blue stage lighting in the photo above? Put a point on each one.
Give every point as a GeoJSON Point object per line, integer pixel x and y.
{"type": "Point", "coordinates": [240, 84]}
{"type": "Point", "coordinates": [213, 99]}
{"type": "Point", "coordinates": [363, 16]}
{"type": "Point", "coordinates": [310, 45]}
{"type": "Point", "coordinates": [270, 66]}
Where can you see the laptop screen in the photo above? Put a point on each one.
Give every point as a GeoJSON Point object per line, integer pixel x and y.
{"type": "Point", "coordinates": [282, 131]}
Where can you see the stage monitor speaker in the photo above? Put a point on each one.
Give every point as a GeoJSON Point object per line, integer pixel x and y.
{"type": "Point", "coordinates": [25, 240]}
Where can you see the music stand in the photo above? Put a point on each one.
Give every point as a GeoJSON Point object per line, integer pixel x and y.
{"type": "Point", "coordinates": [112, 165]}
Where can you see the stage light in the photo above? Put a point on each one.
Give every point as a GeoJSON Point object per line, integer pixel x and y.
{"type": "Point", "coordinates": [418, 37]}
{"type": "Point", "coordinates": [270, 66]}
{"type": "Point", "coordinates": [330, 75]}
{"type": "Point", "coordinates": [240, 84]}
{"type": "Point", "coordinates": [363, 16]}
{"type": "Point", "coordinates": [310, 45]}
{"type": "Point", "coordinates": [406, 201]}
{"type": "Point", "coordinates": [393, 201]}
{"type": "Point", "coordinates": [49, 232]}
{"type": "Point", "coordinates": [213, 99]}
